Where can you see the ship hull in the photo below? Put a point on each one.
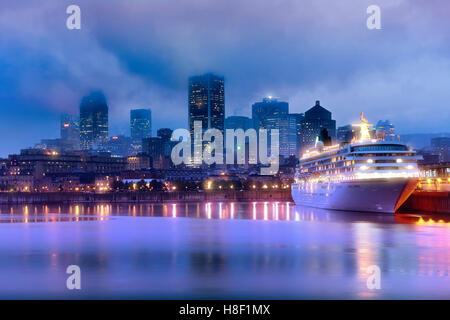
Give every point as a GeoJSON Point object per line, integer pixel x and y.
{"type": "Point", "coordinates": [377, 195]}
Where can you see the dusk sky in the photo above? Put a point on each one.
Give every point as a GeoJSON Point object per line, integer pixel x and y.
{"type": "Point", "coordinates": [141, 53]}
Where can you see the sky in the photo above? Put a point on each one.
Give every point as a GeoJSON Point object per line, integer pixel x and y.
{"type": "Point", "coordinates": [140, 53]}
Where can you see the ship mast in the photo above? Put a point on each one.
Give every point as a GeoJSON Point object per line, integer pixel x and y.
{"type": "Point", "coordinates": [364, 132]}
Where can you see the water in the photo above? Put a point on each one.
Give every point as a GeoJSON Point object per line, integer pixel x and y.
{"type": "Point", "coordinates": [220, 250]}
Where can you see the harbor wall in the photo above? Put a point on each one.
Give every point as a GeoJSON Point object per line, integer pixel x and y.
{"type": "Point", "coordinates": [419, 201]}
{"type": "Point", "coordinates": [12, 198]}
{"type": "Point", "coordinates": [427, 201]}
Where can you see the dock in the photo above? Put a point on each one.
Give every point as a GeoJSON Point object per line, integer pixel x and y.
{"type": "Point", "coordinates": [428, 201]}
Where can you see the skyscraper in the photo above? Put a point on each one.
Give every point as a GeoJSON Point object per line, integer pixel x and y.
{"type": "Point", "coordinates": [273, 114]}
{"type": "Point", "coordinates": [266, 113]}
{"type": "Point", "coordinates": [70, 132]}
{"type": "Point", "coordinates": [141, 127]}
{"type": "Point", "coordinates": [347, 133]}
{"type": "Point", "coordinates": [441, 146]}
{"type": "Point", "coordinates": [288, 135]}
{"type": "Point", "coordinates": [119, 146]}
{"type": "Point", "coordinates": [316, 119]}
{"type": "Point", "coordinates": [206, 104]}
{"type": "Point", "coordinates": [244, 123]}
{"type": "Point", "coordinates": [385, 131]}
{"type": "Point", "coordinates": [238, 122]}
{"type": "Point", "coordinates": [153, 147]}
{"type": "Point", "coordinates": [207, 101]}
{"type": "Point", "coordinates": [299, 117]}
{"type": "Point", "coordinates": [165, 134]}
{"type": "Point", "coordinates": [93, 120]}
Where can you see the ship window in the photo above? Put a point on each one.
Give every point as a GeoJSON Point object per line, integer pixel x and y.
{"type": "Point", "coordinates": [381, 148]}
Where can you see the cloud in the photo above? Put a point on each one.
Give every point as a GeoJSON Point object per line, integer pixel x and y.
{"type": "Point", "coordinates": [140, 53]}
{"type": "Point", "coordinates": [392, 95]}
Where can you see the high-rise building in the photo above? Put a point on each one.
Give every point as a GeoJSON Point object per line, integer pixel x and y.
{"type": "Point", "coordinates": [93, 121]}
{"type": "Point", "coordinates": [385, 131]}
{"type": "Point", "coordinates": [347, 133]}
{"type": "Point", "coordinates": [207, 101]}
{"type": "Point", "coordinates": [441, 146]}
{"type": "Point", "coordinates": [244, 123]}
{"type": "Point", "coordinates": [266, 114]}
{"type": "Point", "coordinates": [153, 147]}
{"type": "Point", "coordinates": [70, 132]}
{"type": "Point", "coordinates": [238, 122]}
{"type": "Point", "coordinates": [316, 119]}
{"type": "Point", "coordinates": [141, 127]}
{"type": "Point", "coordinates": [52, 145]}
{"type": "Point", "coordinates": [206, 104]}
{"type": "Point", "coordinates": [119, 146]}
{"type": "Point", "coordinates": [273, 114]}
{"type": "Point", "coordinates": [299, 117]}
{"type": "Point", "coordinates": [165, 134]}
{"type": "Point", "coordinates": [288, 135]}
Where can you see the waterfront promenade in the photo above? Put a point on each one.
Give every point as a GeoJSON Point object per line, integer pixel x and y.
{"type": "Point", "coordinates": [156, 197]}
{"type": "Point", "coordinates": [419, 201]}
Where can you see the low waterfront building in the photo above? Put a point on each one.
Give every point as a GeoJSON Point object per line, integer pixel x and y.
{"type": "Point", "coordinates": [139, 162]}
{"type": "Point", "coordinates": [436, 171]}
{"type": "Point", "coordinates": [104, 164]}
{"type": "Point", "coordinates": [429, 158]}
{"type": "Point", "coordinates": [22, 183]}
{"type": "Point", "coordinates": [191, 174]}
{"type": "Point", "coordinates": [56, 183]}
{"type": "Point", "coordinates": [40, 163]}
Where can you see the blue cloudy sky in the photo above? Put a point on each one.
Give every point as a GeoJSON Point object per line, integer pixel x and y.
{"type": "Point", "coordinates": [140, 53]}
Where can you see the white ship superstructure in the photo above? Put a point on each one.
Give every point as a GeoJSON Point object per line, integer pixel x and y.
{"type": "Point", "coordinates": [367, 175]}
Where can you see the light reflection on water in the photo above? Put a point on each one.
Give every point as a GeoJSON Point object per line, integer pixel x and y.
{"type": "Point", "coordinates": [212, 210]}
{"type": "Point", "coordinates": [220, 250]}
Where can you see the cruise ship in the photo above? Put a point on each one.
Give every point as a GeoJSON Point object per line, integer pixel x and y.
{"type": "Point", "coordinates": [366, 175]}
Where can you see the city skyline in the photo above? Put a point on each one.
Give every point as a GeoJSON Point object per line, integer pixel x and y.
{"type": "Point", "coordinates": [70, 125]}
{"type": "Point", "coordinates": [214, 152]}
{"type": "Point", "coordinates": [399, 71]}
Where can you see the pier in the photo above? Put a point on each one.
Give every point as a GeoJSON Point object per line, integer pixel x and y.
{"type": "Point", "coordinates": [428, 201]}
{"type": "Point", "coordinates": [433, 192]}
{"type": "Point", "coordinates": [419, 201]}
